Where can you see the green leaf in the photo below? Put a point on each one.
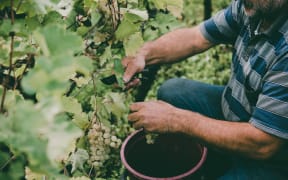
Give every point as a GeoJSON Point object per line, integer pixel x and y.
{"type": "Point", "coordinates": [14, 168]}
{"type": "Point", "coordinates": [95, 17]}
{"type": "Point", "coordinates": [143, 14]}
{"type": "Point", "coordinates": [84, 65]}
{"type": "Point", "coordinates": [114, 102]}
{"type": "Point", "coordinates": [133, 43]}
{"type": "Point", "coordinates": [119, 71]}
{"type": "Point", "coordinates": [78, 158]}
{"type": "Point", "coordinates": [52, 72]}
{"type": "Point", "coordinates": [16, 131]}
{"type": "Point", "coordinates": [174, 6]}
{"type": "Point", "coordinates": [106, 56]}
{"type": "Point", "coordinates": [62, 135]}
{"type": "Point", "coordinates": [55, 40]}
{"type": "Point", "coordinates": [12, 98]}
{"type": "Point", "coordinates": [5, 27]}
{"type": "Point", "coordinates": [82, 30]}
{"type": "Point", "coordinates": [130, 24]}
{"type": "Point", "coordinates": [71, 105]}
{"type": "Point", "coordinates": [81, 120]}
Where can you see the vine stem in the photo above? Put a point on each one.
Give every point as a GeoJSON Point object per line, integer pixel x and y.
{"type": "Point", "coordinates": [12, 34]}
{"type": "Point", "coordinates": [7, 162]}
{"type": "Point", "coordinates": [12, 13]}
{"type": "Point", "coordinates": [19, 5]}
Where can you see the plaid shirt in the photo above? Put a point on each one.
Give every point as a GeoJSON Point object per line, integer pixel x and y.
{"type": "Point", "coordinates": [257, 91]}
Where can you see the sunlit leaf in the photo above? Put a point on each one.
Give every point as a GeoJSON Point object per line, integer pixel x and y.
{"type": "Point", "coordinates": [130, 24]}
{"type": "Point", "coordinates": [114, 102]}
{"type": "Point", "coordinates": [78, 158]}
{"type": "Point", "coordinates": [133, 43]}
{"type": "Point", "coordinates": [119, 71]}
{"type": "Point", "coordinates": [71, 105]}
{"type": "Point", "coordinates": [81, 120]}
{"type": "Point", "coordinates": [174, 6]}
{"type": "Point", "coordinates": [83, 65]}
{"type": "Point", "coordinates": [56, 40]}
{"type": "Point", "coordinates": [62, 135]}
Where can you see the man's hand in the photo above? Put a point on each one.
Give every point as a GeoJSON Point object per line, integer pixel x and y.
{"type": "Point", "coordinates": [132, 65]}
{"type": "Point", "coordinates": [135, 65]}
{"type": "Point", "coordinates": [153, 116]}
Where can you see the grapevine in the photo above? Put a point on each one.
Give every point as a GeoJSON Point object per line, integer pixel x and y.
{"type": "Point", "coordinates": [53, 55]}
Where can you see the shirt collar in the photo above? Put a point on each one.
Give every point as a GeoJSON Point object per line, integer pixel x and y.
{"type": "Point", "coordinates": [255, 24]}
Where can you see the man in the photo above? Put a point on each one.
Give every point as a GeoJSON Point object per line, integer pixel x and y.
{"type": "Point", "coordinates": [248, 118]}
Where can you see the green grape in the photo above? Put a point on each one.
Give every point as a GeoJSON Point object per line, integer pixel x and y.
{"type": "Point", "coordinates": [150, 138]}
{"type": "Point", "coordinates": [101, 139]}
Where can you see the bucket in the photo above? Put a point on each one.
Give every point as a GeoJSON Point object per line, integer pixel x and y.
{"type": "Point", "coordinates": [170, 157]}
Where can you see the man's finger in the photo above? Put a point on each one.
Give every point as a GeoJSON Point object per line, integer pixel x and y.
{"type": "Point", "coordinates": [126, 60]}
{"type": "Point", "coordinates": [138, 125]}
{"type": "Point", "coordinates": [132, 117]}
{"type": "Point", "coordinates": [136, 106]}
{"type": "Point", "coordinates": [133, 83]}
{"type": "Point", "coordinates": [133, 65]}
{"type": "Point", "coordinates": [129, 73]}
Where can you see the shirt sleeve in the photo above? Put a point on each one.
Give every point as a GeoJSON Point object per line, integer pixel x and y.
{"type": "Point", "coordinates": [224, 26]}
{"type": "Point", "coordinates": [271, 111]}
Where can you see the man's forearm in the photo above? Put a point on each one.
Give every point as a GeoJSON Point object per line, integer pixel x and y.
{"type": "Point", "coordinates": [175, 46]}
{"type": "Point", "coordinates": [239, 137]}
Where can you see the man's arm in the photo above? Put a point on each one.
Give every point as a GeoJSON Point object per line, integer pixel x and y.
{"type": "Point", "coordinates": [237, 137]}
{"type": "Point", "coordinates": [176, 45]}
{"type": "Point", "coordinates": [171, 47]}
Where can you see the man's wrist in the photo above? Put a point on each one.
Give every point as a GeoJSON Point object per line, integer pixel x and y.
{"type": "Point", "coordinates": [146, 51]}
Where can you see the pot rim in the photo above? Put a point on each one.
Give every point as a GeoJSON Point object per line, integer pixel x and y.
{"type": "Point", "coordinates": [142, 176]}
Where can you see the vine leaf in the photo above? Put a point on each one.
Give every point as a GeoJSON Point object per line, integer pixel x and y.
{"type": "Point", "coordinates": [41, 7]}
{"type": "Point", "coordinates": [130, 24]}
{"type": "Point", "coordinates": [133, 43]}
{"type": "Point", "coordinates": [62, 135]}
{"type": "Point", "coordinates": [78, 158]}
{"type": "Point", "coordinates": [71, 105]}
{"type": "Point", "coordinates": [16, 131]}
{"type": "Point", "coordinates": [83, 65]}
{"type": "Point", "coordinates": [57, 64]}
{"type": "Point", "coordinates": [114, 103]}
{"type": "Point", "coordinates": [119, 71]}
{"type": "Point", "coordinates": [141, 13]}
{"type": "Point", "coordinates": [81, 120]}
{"type": "Point", "coordinates": [56, 40]}
{"type": "Point", "coordinates": [174, 6]}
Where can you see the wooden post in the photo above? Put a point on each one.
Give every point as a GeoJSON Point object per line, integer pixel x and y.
{"type": "Point", "coordinates": [207, 9]}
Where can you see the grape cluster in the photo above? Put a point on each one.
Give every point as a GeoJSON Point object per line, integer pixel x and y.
{"type": "Point", "coordinates": [150, 138]}
{"type": "Point", "coordinates": [101, 140]}
{"type": "Point", "coordinates": [30, 175]}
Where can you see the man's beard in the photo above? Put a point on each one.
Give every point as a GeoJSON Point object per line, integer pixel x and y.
{"type": "Point", "coordinates": [264, 10]}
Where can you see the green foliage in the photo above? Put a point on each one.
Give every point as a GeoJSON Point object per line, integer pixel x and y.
{"type": "Point", "coordinates": [52, 56]}
{"type": "Point", "coordinates": [211, 67]}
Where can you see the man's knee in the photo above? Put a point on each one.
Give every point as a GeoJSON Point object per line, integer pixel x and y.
{"type": "Point", "coordinates": [169, 89]}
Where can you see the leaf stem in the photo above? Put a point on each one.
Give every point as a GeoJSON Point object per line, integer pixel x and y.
{"type": "Point", "coordinates": [7, 162]}
{"type": "Point", "coordinates": [3, 100]}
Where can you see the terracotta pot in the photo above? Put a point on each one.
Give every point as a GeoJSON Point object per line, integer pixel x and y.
{"type": "Point", "coordinates": [171, 157]}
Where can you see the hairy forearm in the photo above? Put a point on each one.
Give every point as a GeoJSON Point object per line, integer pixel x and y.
{"type": "Point", "coordinates": [238, 137]}
{"type": "Point", "coordinates": [175, 46]}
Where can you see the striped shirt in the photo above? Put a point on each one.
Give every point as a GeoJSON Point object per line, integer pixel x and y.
{"type": "Point", "coordinates": [257, 91]}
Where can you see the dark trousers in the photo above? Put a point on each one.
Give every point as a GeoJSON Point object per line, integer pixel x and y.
{"type": "Point", "coordinates": [206, 99]}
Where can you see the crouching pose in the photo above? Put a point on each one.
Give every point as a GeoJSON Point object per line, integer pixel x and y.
{"type": "Point", "coordinates": [245, 121]}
